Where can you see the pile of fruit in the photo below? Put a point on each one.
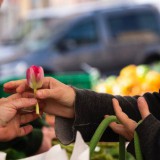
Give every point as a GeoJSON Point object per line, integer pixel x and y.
{"type": "Point", "coordinates": [132, 80]}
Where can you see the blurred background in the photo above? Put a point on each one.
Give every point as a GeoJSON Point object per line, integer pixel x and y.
{"type": "Point", "coordinates": [110, 46]}
{"type": "Point", "coordinates": [73, 35]}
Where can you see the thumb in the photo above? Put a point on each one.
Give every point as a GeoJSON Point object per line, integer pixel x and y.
{"type": "Point", "coordinates": [46, 93]}
{"type": "Point", "coordinates": [143, 107]}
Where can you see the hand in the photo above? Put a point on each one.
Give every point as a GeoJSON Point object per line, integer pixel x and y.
{"type": "Point", "coordinates": [58, 97]}
{"type": "Point", "coordinates": [11, 119]}
{"type": "Point", "coordinates": [1, 2]}
{"type": "Point", "coordinates": [127, 126]}
{"type": "Point", "coordinates": [48, 136]}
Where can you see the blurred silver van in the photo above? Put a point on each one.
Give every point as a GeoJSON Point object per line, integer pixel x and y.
{"type": "Point", "coordinates": [105, 38]}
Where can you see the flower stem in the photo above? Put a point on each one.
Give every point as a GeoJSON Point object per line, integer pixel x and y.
{"type": "Point", "coordinates": [37, 105]}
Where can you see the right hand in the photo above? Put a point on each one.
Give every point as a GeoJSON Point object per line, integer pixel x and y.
{"type": "Point", "coordinates": [11, 118]}
{"type": "Point", "coordinates": [58, 97]}
{"type": "Point", "coordinates": [127, 126]}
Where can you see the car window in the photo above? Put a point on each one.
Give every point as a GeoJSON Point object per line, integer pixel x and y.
{"type": "Point", "coordinates": [81, 34]}
{"type": "Point", "coordinates": [140, 21]}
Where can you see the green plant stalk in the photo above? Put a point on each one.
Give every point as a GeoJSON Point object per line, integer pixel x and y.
{"type": "Point", "coordinates": [99, 132]}
{"type": "Point", "coordinates": [122, 152]}
{"type": "Point", "coordinates": [137, 145]}
{"type": "Point", "coordinates": [37, 105]}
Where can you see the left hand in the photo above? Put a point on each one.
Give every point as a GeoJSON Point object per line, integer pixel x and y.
{"type": "Point", "coordinates": [127, 126]}
{"type": "Point", "coordinates": [11, 119]}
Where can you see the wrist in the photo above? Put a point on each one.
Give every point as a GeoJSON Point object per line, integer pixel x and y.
{"type": "Point", "coordinates": [71, 104]}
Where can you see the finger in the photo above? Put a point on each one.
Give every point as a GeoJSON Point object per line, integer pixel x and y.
{"type": "Point", "coordinates": [2, 100]}
{"type": "Point", "coordinates": [26, 118]}
{"type": "Point", "coordinates": [18, 95]}
{"type": "Point", "coordinates": [9, 90]}
{"type": "Point", "coordinates": [12, 85]}
{"type": "Point", "coordinates": [22, 87]}
{"type": "Point", "coordinates": [16, 86]}
{"type": "Point", "coordinates": [47, 81]}
{"type": "Point", "coordinates": [143, 107]}
{"type": "Point", "coordinates": [117, 128]}
{"type": "Point", "coordinates": [14, 96]}
{"type": "Point", "coordinates": [106, 116]}
{"type": "Point", "coordinates": [122, 117]}
{"type": "Point", "coordinates": [24, 130]}
{"type": "Point", "coordinates": [46, 93]}
{"type": "Point", "coordinates": [21, 103]}
{"type": "Point", "coordinates": [28, 95]}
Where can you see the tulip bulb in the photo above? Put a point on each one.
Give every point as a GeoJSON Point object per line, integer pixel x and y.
{"type": "Point", "coordinates": [35, 75]}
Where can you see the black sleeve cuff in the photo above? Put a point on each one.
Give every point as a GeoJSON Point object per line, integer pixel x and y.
{"type": "Point", "coordinates": [64, 129]}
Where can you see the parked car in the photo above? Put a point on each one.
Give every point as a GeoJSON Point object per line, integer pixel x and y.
{"type": "Point", "coordinates": [107, 39]}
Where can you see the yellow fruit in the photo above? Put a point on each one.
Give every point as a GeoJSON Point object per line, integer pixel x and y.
{"type": "Point", "coordinates": [101, 88]}
{"type": "Point", "coordinates": [129, 70]}
{"type": "Point", "coordinates": [141, 71]}
{"type": "Point", "coordinates": [153, 79]}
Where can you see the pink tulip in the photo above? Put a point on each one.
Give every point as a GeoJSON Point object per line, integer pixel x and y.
{"type": "Point", "coordinates": [35, 75]}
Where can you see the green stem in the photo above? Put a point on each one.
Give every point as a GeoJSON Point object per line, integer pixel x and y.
{"type": "Point", "coordinates": [99, 132]}
{"type": "Point", "coordinates": [101, 129]}
{"type": "Point", "coordinates": [122, 155]}
{"type": "Point", "coordinates": [137, 146]}
{"type": "Point", "coordinates": [37, 105]}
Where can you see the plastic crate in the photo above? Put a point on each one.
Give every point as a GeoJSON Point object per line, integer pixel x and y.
{"type": "Point", "coordinates": [76, 79]}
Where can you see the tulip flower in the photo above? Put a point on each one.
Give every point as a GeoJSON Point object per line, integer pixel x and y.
{"type": "Point", "coordinates": [35, 75]}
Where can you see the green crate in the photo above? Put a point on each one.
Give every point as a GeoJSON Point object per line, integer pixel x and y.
{"type": "Point", "coordinates": [76, 79]}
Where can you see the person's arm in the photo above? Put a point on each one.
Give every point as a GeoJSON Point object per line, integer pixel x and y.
{"type": "Point", "coordinates": [84, 112]}
{"type": "Point", "coordinates": [28, 144]}
{"type": "Point", "coordinates": [149, 137]}
{"type": "Point", "coordinates": [90, 108]}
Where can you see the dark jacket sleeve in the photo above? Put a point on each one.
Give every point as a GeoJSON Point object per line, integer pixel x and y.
{"type": "Point", "coordinates": [90, 108]}
{"type": "Point", "coordinates": [149, 137]}
{"type": "Point", "coordinates": [29, 144]}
